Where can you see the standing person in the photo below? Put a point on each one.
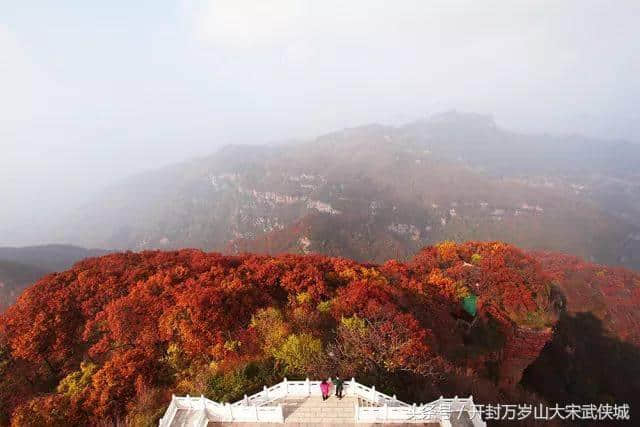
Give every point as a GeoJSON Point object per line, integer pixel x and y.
{"type": "Point", "coordinates": [339, 385]}
{"type": "Point", "coordinates": [324, 388]}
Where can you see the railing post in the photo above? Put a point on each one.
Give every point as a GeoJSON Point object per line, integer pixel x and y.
{"type": "Point", "coordinates": [246, 400]}
{"type": "Point", "coordinates": [353, 386]}
{"type": "Point", "coordinates": [286, 387]}
{"type": "Point", "coordinates": [281, 413]}
{"type": "Point", "coordinates": [355, 406]}
{"type": "Point", "coordinates": [386, 411]}
{"type": "Point", "coordinates": [266, 392]}
{"type": "Point", "coordinates": [229, 411]}
{"type": "Point", "coordinates": [255, 412]}
{"type": "Point", "coordinates": [373, 394]}
{"type": "Point", "coordinates": [413, 410]}
{"type": "Point", "coordinates": [307, 385]}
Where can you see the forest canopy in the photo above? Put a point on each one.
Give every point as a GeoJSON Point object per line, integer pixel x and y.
{"type": "Point", "coordinates": [114, 336]}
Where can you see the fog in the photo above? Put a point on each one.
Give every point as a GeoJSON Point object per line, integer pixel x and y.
{"type": "Point", "coordinates": [91, 92]}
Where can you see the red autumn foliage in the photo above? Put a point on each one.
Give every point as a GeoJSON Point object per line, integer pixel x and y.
{"type": "Point", "coordinates": [160, 320]}
{"type": "Point", "coordinates": [612, 294]}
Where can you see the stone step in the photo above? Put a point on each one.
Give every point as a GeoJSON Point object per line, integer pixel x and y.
{"type": "Point", "coordinates": [324, 423]}
{"type": "Point", "coordinates": [320, 414]}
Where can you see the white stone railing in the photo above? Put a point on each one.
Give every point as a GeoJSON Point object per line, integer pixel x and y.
{"type": "Point", "coordinates": [200, 410]}
{"type": "Point", "coordinates": [166, 419]}
{"type": "Point", "coordinates": [312, 388]}
{"type": "Point", "coordinates": [196, 405]}
{"type": "Point", "coordinates": [261, 406]}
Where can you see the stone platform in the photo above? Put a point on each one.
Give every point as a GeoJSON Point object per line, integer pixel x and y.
{"type": "Point", "coordinates": [299, 403]}
{"type": "Point", "coordinates": [312, 411]}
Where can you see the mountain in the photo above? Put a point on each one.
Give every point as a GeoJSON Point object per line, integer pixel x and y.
{"type": "Point", "coordinates": [378, 192]}
{"type": "Point", "coordinates": [476, 140]}
{"type": "Point", "coordinates": [20, 267]}
{"type": "Point", "coordinates": [14, 277]}
{"type": "Point", "coordinates": [110, 339]}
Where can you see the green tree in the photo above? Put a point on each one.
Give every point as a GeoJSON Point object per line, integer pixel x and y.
{"type": "Point", "coordinates": [300, 353]}
{"type": "Point", "coordinates": [271, 328]}
{"type": "Point", "coordinates": [77, 381]}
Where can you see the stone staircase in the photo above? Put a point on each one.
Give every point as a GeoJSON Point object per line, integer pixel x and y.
{"type": "Point", "coordinates": [299, 403]}
{"type": "Point", "coordinates": [314, 410]}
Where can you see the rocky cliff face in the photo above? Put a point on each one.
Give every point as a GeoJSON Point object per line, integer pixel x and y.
{"type": "Point", "coordinates": [522, 347]}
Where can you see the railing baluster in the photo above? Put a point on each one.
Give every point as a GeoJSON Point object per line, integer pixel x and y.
{"type": "Point", "coordinates": [229, 411]}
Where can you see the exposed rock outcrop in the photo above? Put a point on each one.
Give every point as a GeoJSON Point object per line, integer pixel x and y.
{"type": "Point", "coordinates": [522, 347]}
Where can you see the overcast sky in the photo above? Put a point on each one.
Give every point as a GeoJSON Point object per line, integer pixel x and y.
{"type": "Point", "coordinates": [91, 91]}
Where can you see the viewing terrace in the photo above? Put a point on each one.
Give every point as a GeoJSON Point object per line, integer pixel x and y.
{"type": "Point", "coordinates": [299, 403]}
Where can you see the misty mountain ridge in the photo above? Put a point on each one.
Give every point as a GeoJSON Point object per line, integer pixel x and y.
{"type": "Point", "coordinates": [379, 192]}
{"type": "Point", "coordinates": [20, 267]}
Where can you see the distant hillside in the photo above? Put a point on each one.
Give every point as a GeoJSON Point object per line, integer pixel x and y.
{"type": "Point", "coordinates": [49, 257]}
{"type": "Point", "coordinates": [20, 267]}
{"type": "Point", "coordinates": [476, 140]}
{"type": "Point", "coordinates": [14, 277]}
{"type": "Point", "coordinates": [378, 192]}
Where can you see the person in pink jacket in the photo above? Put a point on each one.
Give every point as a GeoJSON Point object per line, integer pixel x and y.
{"type": "Point", "coordinates": [324, 388]}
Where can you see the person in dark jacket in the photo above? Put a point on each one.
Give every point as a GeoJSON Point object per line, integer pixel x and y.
{"type": "Point", "coordinates": [339, 385]}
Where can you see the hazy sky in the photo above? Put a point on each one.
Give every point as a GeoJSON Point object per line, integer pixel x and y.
{"type": "Point", "coordinates": [91, 91]}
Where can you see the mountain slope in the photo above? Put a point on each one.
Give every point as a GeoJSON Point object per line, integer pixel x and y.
{"type": "Point", "coordinates": [14, 277]}
{"type": "Point", "coordinates": [20, 267]}
{"type": "Point", "coordinates": [596, 344]}
{"type": "Point", "coordinates": [48, 257]}
{"type": "Point", "coordinates": [384, 192]}
{"type": "Point", "coordinates": [114, 336]}
{"type": "Point", "coordinates": [610, 294]}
